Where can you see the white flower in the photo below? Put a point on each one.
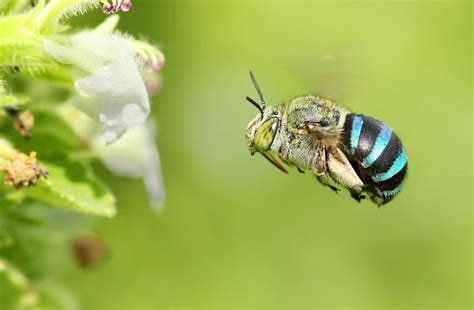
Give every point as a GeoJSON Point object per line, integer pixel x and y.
{"type": "Point", "coordinates": [107, 78]}
{"type": "Point", "coordinates": [136, 155]}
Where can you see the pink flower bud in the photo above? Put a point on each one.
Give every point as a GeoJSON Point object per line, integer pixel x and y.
{"type": "Point", "coordinates": [126, 5]}
{"type": "Point", "coordinates": [107, 8]}
{"type": "Point", "coordinates": [116, 5]}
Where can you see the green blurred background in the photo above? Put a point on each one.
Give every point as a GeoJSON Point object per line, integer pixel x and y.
{"type": "Point", "coordinates": [236, 232]}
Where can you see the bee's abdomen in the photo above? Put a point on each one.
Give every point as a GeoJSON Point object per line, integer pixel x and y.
{"type": "Point", "coordinates": [377, 155]}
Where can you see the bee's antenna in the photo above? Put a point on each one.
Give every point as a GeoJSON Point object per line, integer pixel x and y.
{"type": "Point", "coordinates": [254, 81]}
{"type": "Point", "coordinates": [255, 104]}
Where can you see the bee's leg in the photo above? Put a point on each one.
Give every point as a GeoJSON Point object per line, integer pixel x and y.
{"type": "Point", "coordinates": [342, 172]}
{"type": "Point", "coordinates": [319, 169]}
{"type": "Point", "coordinates": [318, 163]}
{"type": "Point", "coordinates": [285, 154]}
{"type": "Point", "coordinates": [325, 181]}
{"type": "Point", "coordinates": [357, 196]}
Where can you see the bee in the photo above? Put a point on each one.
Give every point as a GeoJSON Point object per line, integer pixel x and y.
{"type": "Point", "coordinates": [341, 149]}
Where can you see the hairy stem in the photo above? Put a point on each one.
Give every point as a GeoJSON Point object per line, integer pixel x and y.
{"type": "Point", "coordinates": [20, 43]}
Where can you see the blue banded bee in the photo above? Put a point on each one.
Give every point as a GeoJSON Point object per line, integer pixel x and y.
{"type": "Point", "coordinates": [341, 148]}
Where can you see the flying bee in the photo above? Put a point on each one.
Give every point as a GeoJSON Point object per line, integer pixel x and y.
{"type": "Point", "coordinates": [315, 134]}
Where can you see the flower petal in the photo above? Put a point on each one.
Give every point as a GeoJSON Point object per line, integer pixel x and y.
{"type": "Point", "coordinates": [108, 80]}
{"type": "Point", "coordinates": [136, 155]}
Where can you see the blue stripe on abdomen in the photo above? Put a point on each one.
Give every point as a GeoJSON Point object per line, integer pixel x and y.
{"type": "Point", "coordinates": [355, 132]}
{"type": "Point", "coordinates": [393, 192]}
{"type": "Point", "coordinates": [397, 165]}
{"type": "Point", "coordinates": [379, 146]}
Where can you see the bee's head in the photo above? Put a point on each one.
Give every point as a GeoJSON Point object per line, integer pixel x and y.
{"type": "Point", "coordinates": [263, 129]}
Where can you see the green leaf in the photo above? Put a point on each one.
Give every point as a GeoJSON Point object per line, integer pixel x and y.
{"type": "Point", "coordinates": [10, 101]}
{"type": "Point", "coordinates": [50, 126]}
{"type": "Point", "coordinates": [5, 240]}
{"type": "Point", "coordinates": [18, 216]}
{"type": "Point", "coordinates": [49, 136]}
{"type": "Point", "coordinates": [72, 185]}
{"type": "Point", "coordinates": [13, 6]}
{"type": "Point", "coordinates": [53, 296]}
{"type": "Point", "coordinates": [9, 294]}
{"type": "Point", "coordinates": [16, 292]}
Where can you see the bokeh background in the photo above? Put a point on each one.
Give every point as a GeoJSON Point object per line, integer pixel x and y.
{"type": "Point", "coordinates": [236, 232]}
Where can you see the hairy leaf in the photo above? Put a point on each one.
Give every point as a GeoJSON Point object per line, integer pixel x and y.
{"type": "Point", "coordinates": [72, 185]}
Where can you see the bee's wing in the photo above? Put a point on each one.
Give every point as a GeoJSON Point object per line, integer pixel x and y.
{"type": "Point", "coordinates": [339, 74]}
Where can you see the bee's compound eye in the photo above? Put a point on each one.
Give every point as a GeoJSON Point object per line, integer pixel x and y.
{"type": "Point", "coordinates": [265, 135]}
